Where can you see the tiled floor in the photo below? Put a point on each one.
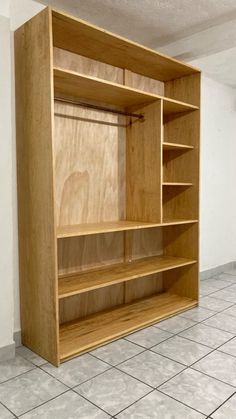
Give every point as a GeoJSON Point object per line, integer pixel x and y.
{"type": "Point", "coordinates": [181, 368]}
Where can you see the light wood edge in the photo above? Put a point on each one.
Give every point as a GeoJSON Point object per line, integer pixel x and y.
{"type": "Point", "coordinates": [113, 230]}
{"type": "Point", "coordinates": [177, 146]}
{"type": "Point", "coordinates": [177, 184]}
{"type": "Point", "coordinates": [144, 324]}
{"type": "Point", "coordinates": [54, 187]}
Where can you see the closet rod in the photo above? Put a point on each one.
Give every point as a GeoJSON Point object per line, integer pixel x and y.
{"type": "Point", "coordinates": [100, 108]}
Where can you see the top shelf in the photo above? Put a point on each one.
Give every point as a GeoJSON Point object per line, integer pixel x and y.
{"type": "Point", "coordinates": [83, 38]}
{"type": "Point", "coordinates": [76, 85]}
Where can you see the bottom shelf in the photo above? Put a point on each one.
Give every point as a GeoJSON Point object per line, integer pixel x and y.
{"type": "Point", "coordinates": [90, 332]}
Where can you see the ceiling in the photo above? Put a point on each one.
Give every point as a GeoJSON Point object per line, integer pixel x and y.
{"type": "Point", "coordinates": [186, 29]}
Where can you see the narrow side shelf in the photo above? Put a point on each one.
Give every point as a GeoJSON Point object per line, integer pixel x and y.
{"type": "Point", "coordinates": [173, 146]}
{"type": "Point", "coordinates": [90, 332]}
{"type": "Point", "coordinates": [76, 230]}
{"type": "Point", "coordinates": [76, 85]}
{"type": "Point", "coordinates": [103, 277]}
{"type": "Point", "coordinates": [177, 184]}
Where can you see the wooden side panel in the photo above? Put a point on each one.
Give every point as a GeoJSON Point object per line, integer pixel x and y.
{"type": "Point", "coordinates": [143, 168]}
{"type": "Point", "coordinates": [137, 81]}
{"type": "Point", "coordinates": [37, 236]}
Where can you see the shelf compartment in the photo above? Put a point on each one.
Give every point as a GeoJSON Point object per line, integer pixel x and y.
{"type": "Point", "coordinates": [177, 184]}
{"type": "Point", "coordinates": [103, 277]}
{"type": "Point", "coordinates": [173, 146]}
{"type": "Point", "coordinates": [76, 85]}
{"type": "Point", "coordinates": [73, 34]}
{"type": "Point", "coordinates": [77, 230]}
{"type": "Point", "coordinates": [90, 332]}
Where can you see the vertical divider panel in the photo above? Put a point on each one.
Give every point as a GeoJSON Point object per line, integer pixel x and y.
{"type": "Point", "coordinates": [35, 178]}
{"type": "Point", "coordinates": [143, 166]}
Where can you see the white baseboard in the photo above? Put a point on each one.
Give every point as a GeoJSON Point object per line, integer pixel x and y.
{"type": "Point", "coordinates": [209, 273]}
{"type": "Point", "coordinates": [17, 338]}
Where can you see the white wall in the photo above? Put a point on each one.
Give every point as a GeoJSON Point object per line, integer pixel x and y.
{"type": "Point", "coordinates": [218, 173]}
{"type": "Point", "coordinates": [218, 163]}
{"type": "Point", "coordinates": [6, 188]}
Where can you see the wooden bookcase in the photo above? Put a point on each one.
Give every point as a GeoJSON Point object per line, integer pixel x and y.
{"type": "Point", "coordinates": [108, 168]}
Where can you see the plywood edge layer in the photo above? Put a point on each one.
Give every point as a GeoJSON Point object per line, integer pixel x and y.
{"type": "Point", "coordinates": [174, 146]}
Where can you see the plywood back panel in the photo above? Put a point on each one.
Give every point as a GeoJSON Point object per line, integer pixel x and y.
{"type": "Point", "coordinates": [88, 252]}
{"type": "Point", "coordinates": [146, 84]}
{"type": "Point", "coordinates": [37, 237]}
{"type": "Point", "coordinates": [182, 281]}
{"type": "Point", "coordinates": [186, 89]}
{"type": "Point", "coordinates": [143, 287]}
{"type": "Point", "coordinates": [147, 243]}
{"type": "Point", "coordinates": [91, 302]}
{"type": "Point", "coordinates": [74, 62]}
{"type": "Point", "coordinates": [181, 202]}
{"type": "Point", "coordinates": [178, 166]}
{"type": "Point", "coordinates": [182, 241]}
{"type": "Point", "coordinates": [143, 168]}
{"type": "Point", "coordinates": [90, 165]}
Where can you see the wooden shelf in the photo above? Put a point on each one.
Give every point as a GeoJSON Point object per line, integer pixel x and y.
{"type": "Point", "coordinates": [92, 331]}
{"type": "Point", "coordinates": [173, 146]}
{"type": "Point", "coordinates": [75, 35]}
{"type": "Point", "coordinates": [77, 230]}
{"type": "Point", "coordinates": [169, 222]}
{"type": "Point", "coordinates": [103, 277]}
{"type": "Point", "coordinates": [177, 184]}
{"type": "Point", "coordinates": [76, 85]}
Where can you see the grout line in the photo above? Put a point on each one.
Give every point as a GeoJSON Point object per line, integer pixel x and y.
{"type": "Point", "coordinates": [136, 401]}
{"type": "Point", "coordinates": [214, 378]}
{"type": "Point", "coordinates": [144, 350]}
{"type": "Point", "coordinates": [113, 366]}
{"type": "Point", "coordinates": [88, 400]}
{"type": "Point", "coordinates": [221, 405]}
{"type": "Point", "coordinates": [42, 404]}
{"type": "Point", "coordinates": [17, 376]}
{"type": "Point", "coordinates": [9, 410]}
{"type": "Point", "coordinates": [187, 405]}
{"type": "Point", "coordinates": [78, 384]}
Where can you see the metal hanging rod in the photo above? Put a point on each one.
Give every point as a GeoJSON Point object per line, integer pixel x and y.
{"type": "Point", "coordinates": [100, 108]}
